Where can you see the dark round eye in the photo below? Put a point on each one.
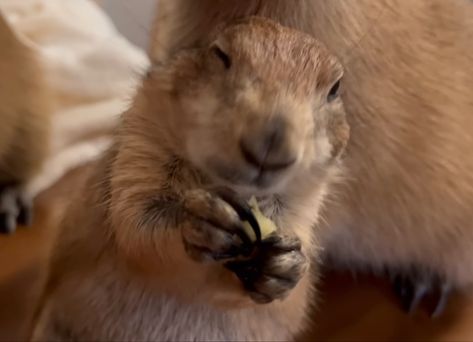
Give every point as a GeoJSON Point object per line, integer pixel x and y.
{"type": "Point", "coordinates": [222, 56]}
{"type": "Point", "coordinates": [334, 91]}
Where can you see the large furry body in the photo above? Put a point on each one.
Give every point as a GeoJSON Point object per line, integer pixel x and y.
{"type": "Point", "coordinates": [25, 108]}
{"type": "Point", "coordinates": [150, 248]}
{"type": "Point", "coordinates": [407, 202]}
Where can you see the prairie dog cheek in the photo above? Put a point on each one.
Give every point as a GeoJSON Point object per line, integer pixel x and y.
{"type": "Point", "coordinates": [323, 147]}
{"type": "Point", "coordinates": [199, 109]}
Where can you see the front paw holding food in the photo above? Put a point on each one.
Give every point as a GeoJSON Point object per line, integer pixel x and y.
{"type": "Point", "coordinates": [213, 229]}
{"type": "Point", "coordinates": [222, 227]}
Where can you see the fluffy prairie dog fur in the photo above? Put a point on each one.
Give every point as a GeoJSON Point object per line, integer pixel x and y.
{"type": "Point", "coordinates": [152, 248]}
{"type": "Point", "coordinates": [407, 203]}
{"type": "Point", "coordinates": [24, 125]}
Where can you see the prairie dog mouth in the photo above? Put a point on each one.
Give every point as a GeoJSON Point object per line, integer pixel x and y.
{"type": "Point", "coordinates": [234, 174]}
{"type": "Point", "coordinates": [242, 177]}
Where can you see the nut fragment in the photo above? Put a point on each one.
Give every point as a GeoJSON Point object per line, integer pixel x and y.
{"type": "Point", "coordinates": [266, 226]}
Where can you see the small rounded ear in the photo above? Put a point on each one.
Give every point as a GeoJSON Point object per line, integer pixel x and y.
{"type": "Point", "coordinates": [224, 26]}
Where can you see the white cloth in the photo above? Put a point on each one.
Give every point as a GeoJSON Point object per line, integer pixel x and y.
{"type": "Point", "coordinates": [91, 68]}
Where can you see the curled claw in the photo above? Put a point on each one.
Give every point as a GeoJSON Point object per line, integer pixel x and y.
{"type": "Point", "coordinates": [442, 300]}
{"type": "Point", "coordinates": [242, 208]}
{"type": "Point", "coordinates": [410, 292]}
{"type": "Point", "coordinates": [416, 287]}
{"type": "Point", "coordinates": [273, 270]}
{"type": "Point", "coordinates": [213, 228]}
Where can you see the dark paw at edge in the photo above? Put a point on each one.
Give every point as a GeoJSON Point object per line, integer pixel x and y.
{"type": "Point", "coordinates": [260, 278]}
{"type": "Point", "coordinates": [15, 209]}
{"type": "Point", "coordinates": [415, 288]}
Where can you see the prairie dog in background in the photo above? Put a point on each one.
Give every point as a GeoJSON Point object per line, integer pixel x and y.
{"type": "Point", "coordinates": [24, 126]}
{"type": "Point", "coordinates": [153, 247]}
{"type": "Point", "coordinates": [408, 202]}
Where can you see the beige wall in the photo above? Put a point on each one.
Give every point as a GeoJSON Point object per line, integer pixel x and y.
{"type": "Point", "coordinates": [132, 17]}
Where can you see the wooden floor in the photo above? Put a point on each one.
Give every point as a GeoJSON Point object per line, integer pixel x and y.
{"type": "Point", "coordinates": [350, 310]}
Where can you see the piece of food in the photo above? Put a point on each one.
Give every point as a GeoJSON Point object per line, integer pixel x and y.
{"type": "Point", "coordinates": [266, 226]}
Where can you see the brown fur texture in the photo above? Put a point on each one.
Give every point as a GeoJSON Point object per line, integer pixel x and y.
{"type": "Point", "coordinates": [24, 129]}
{"type": "Point", "coordinates": [408, 199]}
{"type": "Point", "coordinates": [151, 248]}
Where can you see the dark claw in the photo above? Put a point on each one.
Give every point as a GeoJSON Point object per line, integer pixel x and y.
{"type": "Point", "coordinates": [413, 289]}
{"type": "Point", "coordinates": [443, 297]}
{"type": "Point", "coordinates": [242, 208]}
{"type": "Point", "coordinates": [410, 292]}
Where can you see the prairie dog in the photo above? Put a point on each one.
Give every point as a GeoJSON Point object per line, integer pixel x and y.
{"type": "Point", "coordinates": [24, 126]}
{"type": "Point", "coordinates": [407, 202]}
{"type": "Point", "coordinates": [152, 248]}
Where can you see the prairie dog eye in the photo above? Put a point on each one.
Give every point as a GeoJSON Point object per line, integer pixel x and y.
{"type": "Point", "coordinates": [222, 56]}
{"type": "Point", "coordinates": [334, 91]}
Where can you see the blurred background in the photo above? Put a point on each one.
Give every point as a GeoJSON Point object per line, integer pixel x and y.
{"type": "Point", "coordinates": [94, 53]}
{"type": "Point", "coordinates": [132, 18]}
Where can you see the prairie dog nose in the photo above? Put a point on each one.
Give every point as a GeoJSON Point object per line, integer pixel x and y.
{"type": "Point", "coordinates": [267, 146]}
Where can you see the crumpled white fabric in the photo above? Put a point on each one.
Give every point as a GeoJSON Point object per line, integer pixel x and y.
{"type": "Point", "coordinates": [92, 69]}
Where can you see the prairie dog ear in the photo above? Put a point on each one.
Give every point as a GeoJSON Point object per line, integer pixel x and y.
{"type": "Point", "coordinates": [217, 31]}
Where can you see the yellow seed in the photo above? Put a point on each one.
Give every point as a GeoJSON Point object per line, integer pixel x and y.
{"type": "Point", "coordinates": [266, 225]}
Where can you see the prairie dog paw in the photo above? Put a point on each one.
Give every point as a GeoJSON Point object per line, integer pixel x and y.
{"type": "Point", "coordinates": [15, 209]}
{"type": "Point", "coordinates": [213, 229]}
{"type": "Point", "coordinates": [416, 286]}
{"type": "Point", "coordinates": [274, 269]}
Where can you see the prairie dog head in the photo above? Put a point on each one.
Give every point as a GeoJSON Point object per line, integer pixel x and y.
{"type": "Point", "coordinates": [257, 107]}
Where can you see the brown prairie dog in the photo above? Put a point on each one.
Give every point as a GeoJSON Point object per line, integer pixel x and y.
{"type": "Point", "coordinates": [24, 126]}
{"type": "Point", "coordinates": [407, 203]}
{"type": "Point", "coordinates": [153, 247]}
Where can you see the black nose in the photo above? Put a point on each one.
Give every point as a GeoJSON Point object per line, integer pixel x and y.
{"type": "Point", "coordinates": [267, 147]}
